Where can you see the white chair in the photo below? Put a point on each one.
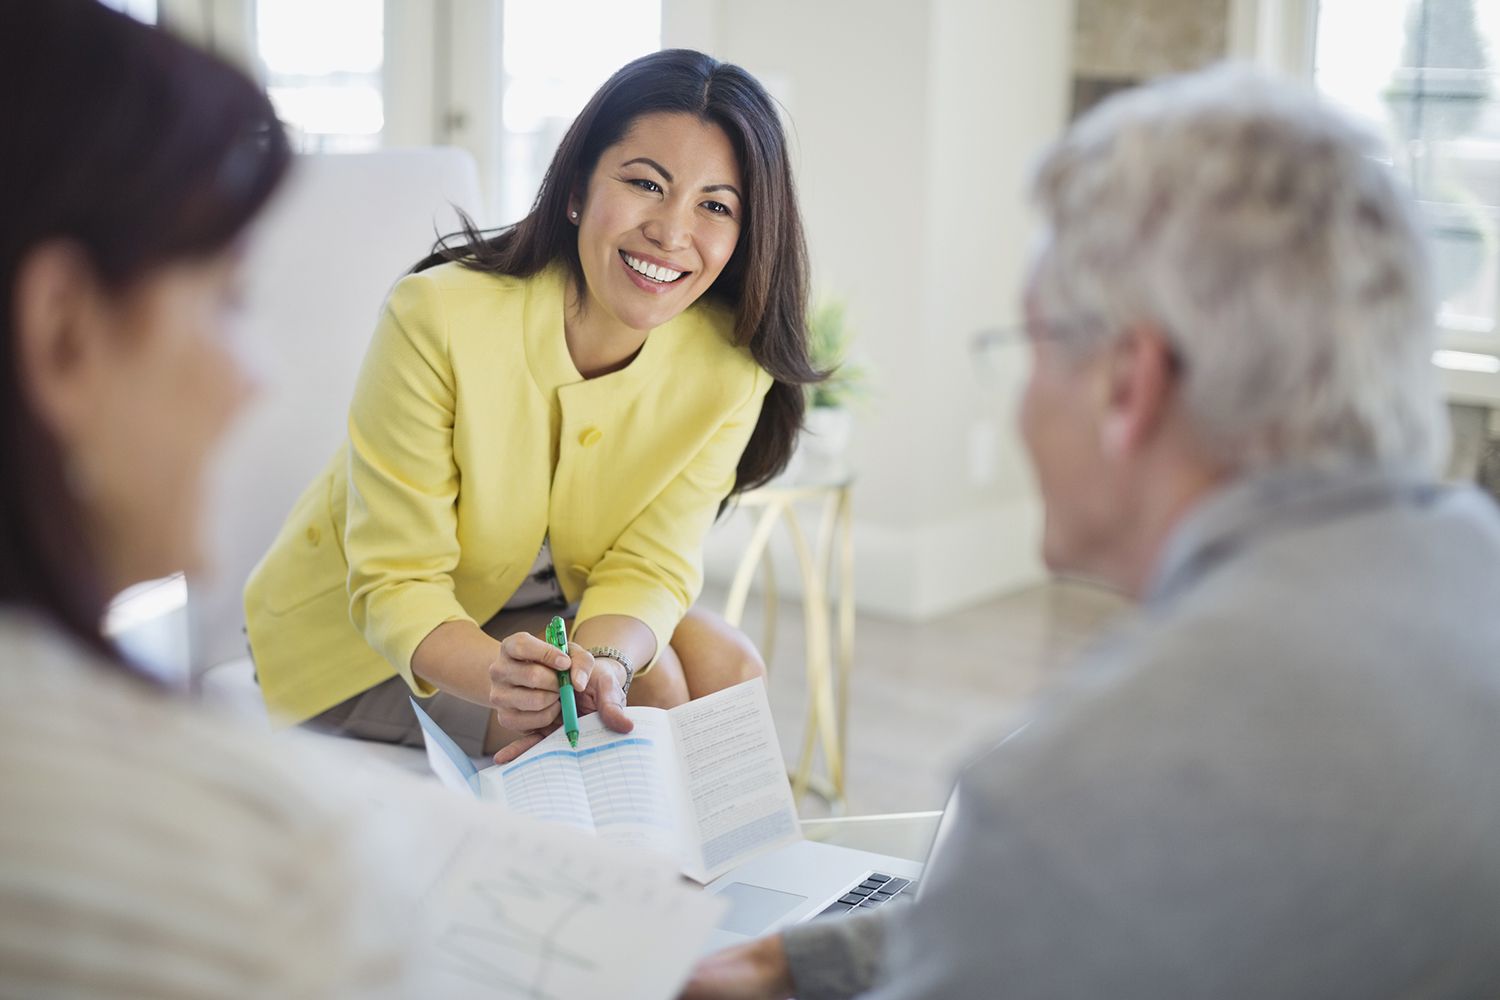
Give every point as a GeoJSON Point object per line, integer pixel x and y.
{"type": "Point", "coordinates": [319, 266]}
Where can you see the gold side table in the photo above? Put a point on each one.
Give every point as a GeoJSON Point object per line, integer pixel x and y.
{"type": "Point", "coordinates": [824, 566]}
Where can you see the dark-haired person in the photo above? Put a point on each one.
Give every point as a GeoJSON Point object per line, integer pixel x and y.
{"type": "Point", "coordinates": [553, 417]}
{"type": "Point", "coordinates": [144, 851]}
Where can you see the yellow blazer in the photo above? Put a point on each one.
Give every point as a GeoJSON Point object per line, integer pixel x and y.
{"type": "Point", "coordinates": [471, 437]}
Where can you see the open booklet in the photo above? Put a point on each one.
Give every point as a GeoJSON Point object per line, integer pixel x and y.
{"type": "Point", "coordinates": [703, 783]}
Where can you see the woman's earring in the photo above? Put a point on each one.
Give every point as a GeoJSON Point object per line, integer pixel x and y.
{"type": "Point", "coordinates": [573, 216]}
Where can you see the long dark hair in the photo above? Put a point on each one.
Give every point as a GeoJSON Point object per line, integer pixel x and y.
{"type": "Point", "coordinates": [765, 281]}
{"type": "Point", "coordinates": [140, 151]}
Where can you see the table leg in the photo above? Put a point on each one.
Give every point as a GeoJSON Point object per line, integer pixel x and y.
{"type": "Point", "coordinates": [846, 620]}
{"type": "Point", "coordinates": [739, 590]}
{"type": "Point", "coordinates": [771, 608]}
{"type": "Point", "coordinates": [822, 720]}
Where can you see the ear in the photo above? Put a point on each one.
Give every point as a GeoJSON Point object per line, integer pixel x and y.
{"type": "Point", "coordinates": [60, 333]}
{"type": "Point", "coordinates": [575, 205]}
{"type": "Point", "coordinates": [1141, 382]}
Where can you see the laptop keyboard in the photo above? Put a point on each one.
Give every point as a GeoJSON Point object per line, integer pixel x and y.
{"type": "Point", "coordinates": [877, 889]}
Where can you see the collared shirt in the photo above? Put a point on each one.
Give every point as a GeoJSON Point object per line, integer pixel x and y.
{"type": "Point", "coordinates": [1277, 779]}
{"type": "Point", "coordinates": [1283, 500]}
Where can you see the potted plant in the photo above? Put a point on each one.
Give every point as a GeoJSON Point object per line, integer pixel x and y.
{"type": "Point", "coordinates": [829, 423]}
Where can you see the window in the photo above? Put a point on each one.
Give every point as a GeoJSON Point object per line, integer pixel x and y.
{"type": "Point", "coordinates": [1425, 73]}
{"type": "Point", "coordinates": [323, 61]}
{"type": "Point", "coordinates": [141, 10]}
{"type": "Point", "coordinates": [556, 54]}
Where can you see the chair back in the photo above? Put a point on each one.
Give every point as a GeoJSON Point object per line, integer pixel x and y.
{"type": "Point", "coordinates": [319, 266]}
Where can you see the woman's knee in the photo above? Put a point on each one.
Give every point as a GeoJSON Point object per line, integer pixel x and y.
{"type": "Point", "coordinates": [715, 655]}
{"type": "Point", "coordinates": [663, 686]}
{"type": "Point", "coordinates": [742, 660]}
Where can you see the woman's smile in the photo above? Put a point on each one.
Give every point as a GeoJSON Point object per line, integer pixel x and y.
{"type": "Point", "coordinates": [651, 274]}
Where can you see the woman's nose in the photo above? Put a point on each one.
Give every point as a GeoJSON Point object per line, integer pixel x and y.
{"type": "Point", "coordinates": [668, 228]}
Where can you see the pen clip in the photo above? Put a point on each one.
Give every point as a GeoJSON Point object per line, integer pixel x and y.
{"type": "Point", "coordinates": [557, 633]}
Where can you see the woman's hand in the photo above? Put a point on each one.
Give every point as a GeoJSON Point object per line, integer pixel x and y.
{"type": "Point", "coordinates": [603, 691]}
{"type": "Point", "coordinates": [523, 682]}
{"type": "Point", "coordinates": [524, 690]}
{"type": "Point", "coordinates": [753, 971]}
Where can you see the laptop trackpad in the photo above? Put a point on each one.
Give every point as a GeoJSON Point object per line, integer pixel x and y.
{"type": "Point", "coordinates": [753, 908]}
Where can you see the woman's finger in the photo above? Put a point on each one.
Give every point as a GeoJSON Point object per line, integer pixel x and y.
{"type": "Point", "coordinates": [524, 646]}
{"type": "Point", "coordinates": [517, 747]}
{"type": "Point", "coordinates": [527, 721]}
{"type": "Point", "coordinates": [509, 673]}
{"type": "Point", "coordinates": [613, 715]}
{"type": "Point", "coordinates": [583, 666]}
{"type": "Point", "coordinates": [521, 744]}
{"type": "Point", "coordinates": [522, 699]}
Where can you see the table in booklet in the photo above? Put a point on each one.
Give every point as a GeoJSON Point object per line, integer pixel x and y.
{"type": "Point", "coordinates": [703, 783]}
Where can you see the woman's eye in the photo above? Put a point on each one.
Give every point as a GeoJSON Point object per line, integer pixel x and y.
{"type": "Point", "coordinates": [647, 185]}
{"type": "Point", "coordinates": [717, 207]}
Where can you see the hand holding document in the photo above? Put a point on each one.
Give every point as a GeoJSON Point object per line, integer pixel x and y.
{"type": "Point", "coordinates": [512, 907]}
{"type": "Point", "coordinates": [703, 783]}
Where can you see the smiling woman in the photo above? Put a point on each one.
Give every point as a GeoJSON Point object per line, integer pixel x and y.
{"type": "Point", "coordinates": [547, 422]}
{"type": "Point", "coordinates": [642, 228]}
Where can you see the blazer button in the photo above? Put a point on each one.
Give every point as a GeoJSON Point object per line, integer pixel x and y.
{"type": "Point", "coordinates": [314, 536]}
{"type": "Point", "coordinates": [590, 437]}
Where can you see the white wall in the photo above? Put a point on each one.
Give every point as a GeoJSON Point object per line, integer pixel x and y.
{"type": "Point", "coordinates": [1277, 34]}
{"type": "Point", "coordinates": [915, 123]}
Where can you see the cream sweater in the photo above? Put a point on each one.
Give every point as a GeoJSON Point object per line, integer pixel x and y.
{"type": "Point", "coordinates": [149, 850]}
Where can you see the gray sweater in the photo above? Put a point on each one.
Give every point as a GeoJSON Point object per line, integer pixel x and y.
{"type": "Point", "coordinates": [1281, 779]}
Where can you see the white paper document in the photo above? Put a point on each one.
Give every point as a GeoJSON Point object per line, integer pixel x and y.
{"type": "Point", "coordinates": [499, 905]}
{"type": "Point", "coordinates": [524, 910]}
{"type": "Point", "coordinates": [703, 783]}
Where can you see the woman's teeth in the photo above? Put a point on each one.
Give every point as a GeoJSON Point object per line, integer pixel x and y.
{"type": "Point", "coordinates": [665, 275]}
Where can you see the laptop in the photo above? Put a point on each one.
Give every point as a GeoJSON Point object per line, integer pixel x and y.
{"type": "Point", "coordinates": [807, 880]}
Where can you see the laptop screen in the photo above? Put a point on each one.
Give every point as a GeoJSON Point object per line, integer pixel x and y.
{"type": "Point", "coordinates": [950, 810]}
{"type": "Point", "coordinates": [945, 825]}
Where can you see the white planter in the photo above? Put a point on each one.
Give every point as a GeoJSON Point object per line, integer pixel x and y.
{"type": "Point", "coordinates": [823, 449]}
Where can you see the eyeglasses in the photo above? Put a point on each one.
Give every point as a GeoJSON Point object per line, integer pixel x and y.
{"type": "Point", "coordinates": [990, 345]}
{"type": "Point", "coordinates": [991, 342]}
{"type": "Point", "coordinates": [997, 338]}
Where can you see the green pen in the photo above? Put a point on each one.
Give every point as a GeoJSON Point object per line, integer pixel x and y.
{"type": "Point", "coordinates": [557, 635]}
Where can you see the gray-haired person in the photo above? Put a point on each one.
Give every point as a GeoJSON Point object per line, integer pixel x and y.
{"type": "Point", "coordinates": [1282, 777]}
